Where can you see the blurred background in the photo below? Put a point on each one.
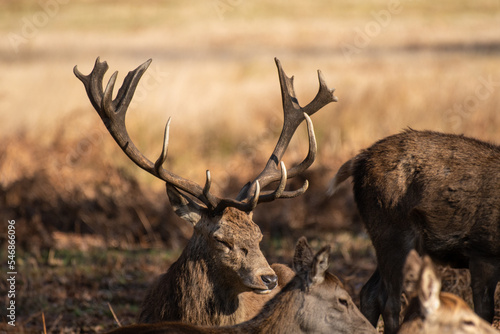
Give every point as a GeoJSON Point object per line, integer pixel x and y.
{"type": "Point", "coordinates": [92, 229]}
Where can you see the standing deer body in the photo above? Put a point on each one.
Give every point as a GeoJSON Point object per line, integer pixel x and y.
{"type": "Point", "coordinates": [221, 277]}
{"type": "Point", "coordinates": [434, 312]}
{"type": "Point", "coordinates": [314, 301]}
{"type": "Point", "coordinates": [437, 193]}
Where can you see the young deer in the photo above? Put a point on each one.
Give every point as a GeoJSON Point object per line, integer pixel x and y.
{"type": "Point", "coordinates": [432, 311]}
{"type": "Point", "coordinates": [313, 302]}
{"type": "Point", "coordinates": [437, 193]}
{"type": "Point", "coordinates": [215, 279]}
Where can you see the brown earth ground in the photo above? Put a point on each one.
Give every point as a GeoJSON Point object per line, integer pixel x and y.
{"type": "Point", "coordinates": [92, 230]}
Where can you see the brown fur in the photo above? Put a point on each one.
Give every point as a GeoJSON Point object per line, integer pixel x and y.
{"type": "Point", "coordinates": [313, 302]}
{"type": "Point", "coordinates": [434, 192]}
{"type": "Point", "coordinates": [434, 312]}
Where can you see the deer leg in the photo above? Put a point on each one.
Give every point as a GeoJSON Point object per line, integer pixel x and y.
{"type": "Point", "coordinates": [391, 256]}
{"type": "Point", "coordinates": [391, 310]}
{"type": "Point", "coordinates": [378, 297]}
{"type": "Point", "coordinates": [484, 277]}
{"type": "Point", "coordinates": [372, 298]}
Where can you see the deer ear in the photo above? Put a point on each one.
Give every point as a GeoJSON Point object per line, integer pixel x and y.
{"type": "Point", "coordinates": [183, 206]}
{"type": "Point", "coordinates": [319, 266]}
{"type": "Point", "coordinates": [303, 256]}
{"type": "Point", "coordinates": [429, 288]}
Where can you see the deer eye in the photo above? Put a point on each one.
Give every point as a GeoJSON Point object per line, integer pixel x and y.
{"type": "Point", "coordinates": [343, 302]}
{"type": "Point", "coordinates": [468, 323]}
{"type": "Point", "coordinates": [223, 242]}
{"type": "Point", "coordinates": [245, 251]}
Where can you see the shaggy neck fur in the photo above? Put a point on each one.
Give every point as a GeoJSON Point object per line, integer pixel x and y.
{"type": "Point", "coordinates": [195, 291]}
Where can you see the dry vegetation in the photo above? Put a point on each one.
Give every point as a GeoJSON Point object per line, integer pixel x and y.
{"type": "Point", "coordinates": [93, 229]}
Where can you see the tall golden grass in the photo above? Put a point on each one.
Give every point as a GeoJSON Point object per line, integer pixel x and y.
{"type": "Point", "coordinates": [417, 64]}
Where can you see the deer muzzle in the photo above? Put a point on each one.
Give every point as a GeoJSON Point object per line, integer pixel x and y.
{"type": "Point", "coordinates": [271, 281]}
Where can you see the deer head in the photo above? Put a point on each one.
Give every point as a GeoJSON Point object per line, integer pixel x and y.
{"type": "Point", "coordinates": [326, 306]}
{"type": "Point", "coordinates": [432, 311]}
{"type": "Point", "coordinates": [224, 232]}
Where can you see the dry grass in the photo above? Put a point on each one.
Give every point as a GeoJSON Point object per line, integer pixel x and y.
{"type": "Point", "coordinates": [423, 64]}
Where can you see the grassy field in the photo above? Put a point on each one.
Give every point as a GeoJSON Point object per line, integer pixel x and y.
{"type": "Point", "coordinates": [91, 227]}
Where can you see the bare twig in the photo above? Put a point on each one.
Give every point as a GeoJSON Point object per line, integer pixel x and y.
{"type": "Point", "coordinates": [114, 315]}
{"type": "Point", "coordinates": [43, 320]}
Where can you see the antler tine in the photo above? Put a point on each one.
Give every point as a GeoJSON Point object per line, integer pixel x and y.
{"type": "Point", "coordinates": [93, 82]}
{"type": "Point", "coordinates": [311, 154]}
{"type": "Point", "coordinates": [112, 113]}
{"type": "Point", "coordinates": [294, 114]}
{"type": "Point", "coordinates": [322, 98]}
{"type": "Point", "coordinates": [211, 200]}
{"type": "Point", "coordinates": [271, 195]}
{"type": "Point", "coordinates": [280, 192]}
{"type": "Point", "coordinates": [164, 151]}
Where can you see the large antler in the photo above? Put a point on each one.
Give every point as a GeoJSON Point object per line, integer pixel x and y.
{"type": "Point", "coordinates": [294, 114]}
{"type": "Point", "coordinates": [112, 113]}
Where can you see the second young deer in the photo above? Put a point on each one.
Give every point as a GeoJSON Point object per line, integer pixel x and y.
{"type": "Point", "coordinates": [434, 312]}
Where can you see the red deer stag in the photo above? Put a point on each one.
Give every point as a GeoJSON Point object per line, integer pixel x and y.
{"type": "Point", "coordinates": [432, 311]}
{"type": "Point", "coordinates": [313, 302]}
{"type": "Point", "coordinates": [210, 282]}
{"type": "Point", "coordinates": [434, 192]}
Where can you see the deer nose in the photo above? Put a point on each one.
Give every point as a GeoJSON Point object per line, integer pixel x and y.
{"type": "Point", "coordinates": [270, 281]}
